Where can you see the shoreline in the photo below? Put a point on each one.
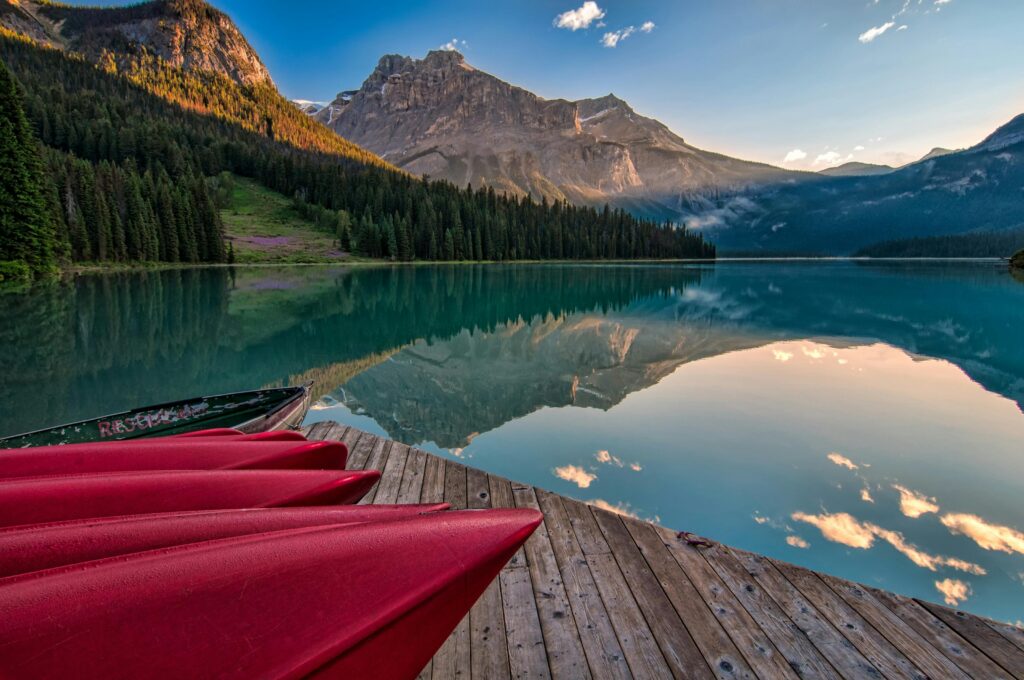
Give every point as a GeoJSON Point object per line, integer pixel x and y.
{"type": "Point", "coordinates": [74, 270]}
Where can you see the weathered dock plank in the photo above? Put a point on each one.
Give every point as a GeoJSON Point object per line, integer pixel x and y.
{"type": "Point", "coordinates": [598, 595]}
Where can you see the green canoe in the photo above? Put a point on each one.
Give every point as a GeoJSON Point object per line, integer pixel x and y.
{"type": "Point", "coordinates": [277, 408]}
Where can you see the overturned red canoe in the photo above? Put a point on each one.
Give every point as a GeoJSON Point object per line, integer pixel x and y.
{"type": "Point", "coordinates": [170, 453]}
{"type": "Point", "coordinates": [36, 547]}
{"type": "Point", "coordinates": [238, 435]}
{"type": "Point", "coordinates": [334, 602]}
{"type": "Point", "coordinates": [31, 500]}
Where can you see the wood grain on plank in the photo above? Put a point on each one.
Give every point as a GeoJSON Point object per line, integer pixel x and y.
{"type": "Point", "coordinates": [684, 658]}
{"type": "Point", "coordinates": [994, 645]}
{"type": "Point", "coordinates": [794, 645]}
{"type": "Point", "coordinates": [714, 623]}
{"type": "Point", "coordinates": [566, 657]}
{"type": "Point", "coordinates": [926, 657]}
{"type": "Point", "coordinates": [391, 475]}
{"type": "Point", "coordinates": [972, 660]}
{"type": "Point", "coordinates": [604, 654]}
{"type": "Point", "coordinates": [839, 651]}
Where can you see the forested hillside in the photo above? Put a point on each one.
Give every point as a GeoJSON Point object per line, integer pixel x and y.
{"type": "Point", "coordinates": [129, 146]}
{"type": "Point", "coordinates": [978, 244]}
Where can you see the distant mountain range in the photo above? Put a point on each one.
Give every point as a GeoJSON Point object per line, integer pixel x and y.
{"type": "Point", "coordinates": [440, 116]}
{"type": "Point", "coordinates": [976, 190]}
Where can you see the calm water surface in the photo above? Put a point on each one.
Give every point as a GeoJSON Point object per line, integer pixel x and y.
{"type": "Point", "coordinates": [860, 419]}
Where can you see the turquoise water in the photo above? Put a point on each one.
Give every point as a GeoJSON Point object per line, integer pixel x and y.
{"type": "Point", "coordinates": [860, 419]}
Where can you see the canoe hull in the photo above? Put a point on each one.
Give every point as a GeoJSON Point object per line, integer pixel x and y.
{"type": "Point", "coordinates": [279, 408]}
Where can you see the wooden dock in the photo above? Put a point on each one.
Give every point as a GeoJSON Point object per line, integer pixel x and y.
{"type": "Point", "coordinates": [598, 595]}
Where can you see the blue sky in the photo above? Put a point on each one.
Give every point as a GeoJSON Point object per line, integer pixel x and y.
{"type": "Point", "coordinates": [761, 79]}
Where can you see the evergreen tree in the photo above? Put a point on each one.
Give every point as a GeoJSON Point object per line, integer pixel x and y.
{"type": "Point", "coordinates": [26, 226]}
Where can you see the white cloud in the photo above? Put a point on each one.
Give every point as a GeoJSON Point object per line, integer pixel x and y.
{"type": "Point", "coordinates": [781, 355]}
{"type": "Point", "coordinates": [828, 158]}
{"type": "Point", "coordinates": [842, 461]}
{"type": "Point", "coordinates": [647, 26]}
{"type": "Point", "coordinates": [606, 457]}
{"type": "Point", "coordinates": [576, 475]}
{"type": "Point", "coordinates": [859, 147]}
{"type": "Point", "coordinates": [613, 38]}
{"type": "Point", "coordinates": [865, 495]}
{"type": "Point", "coordinates": [617, 508]}
{"type": "Point", "coordinates": [847, 530]}
{"type": "Point", "coordinates": [581, 17]}
{"type": "Point", "coordinates": [988, 536]}
{"type": "Point", "coordinates": [903, 27]}
{"type": "Point", "coordinates": [913, 504]}
{"type": "Point", "coordinates": [453, 45]}
{"type": "Point", "coordinates": [797, 542]}
{"type": "Point", "coordinates": [953, 591]}
{"type": "Point", "coordinates": [872, 33]}
{"type": "Point", "coordinates": [795, 155]}
{"type": "Point", "coordinates": [636, 467]}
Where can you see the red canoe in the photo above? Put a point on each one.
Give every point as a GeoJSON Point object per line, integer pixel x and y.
{"type": "Point", "coordinates": [169, 453]}
{"type": "Point", "coordinates": [354, 601]}
{"type": "Point", "coordinates": [46, 546]}
{"type": "Point", "coordinates": [31, 500]}
{"type": "Point", "coordinates": [271, 435]}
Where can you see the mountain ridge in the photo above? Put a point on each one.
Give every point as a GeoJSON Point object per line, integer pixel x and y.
{"type": "Point", "coordinates": [440, 116]}
{"type": "Point", "coordinates": [188, 34]}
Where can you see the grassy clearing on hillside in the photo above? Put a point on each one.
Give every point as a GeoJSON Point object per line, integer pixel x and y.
{"type": "Point", "coordinates": [263, 227]}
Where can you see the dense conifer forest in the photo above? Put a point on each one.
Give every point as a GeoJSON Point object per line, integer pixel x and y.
{"type": "Point", "coordinates": [979, 244]}
{"type": "Point", "coordinates": [127, 153]}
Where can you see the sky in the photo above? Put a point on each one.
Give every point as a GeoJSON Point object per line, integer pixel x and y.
{"type": "Point", "coordinates": [800, 83]}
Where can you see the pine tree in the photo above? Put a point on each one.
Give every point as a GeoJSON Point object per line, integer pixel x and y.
{"type": "Point", "coordinates": [26, 227]}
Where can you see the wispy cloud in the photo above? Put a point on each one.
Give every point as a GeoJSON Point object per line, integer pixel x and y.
{"type": "Point", "coordinates": [872, 33]}
{"type": "Point", "coordinates": [828, 158]}
{"type": "Point", "coordinates": [576, 475]}
{"type": "Point", "coordinates": [797, 542]}
{"type": "Point", "coordinates": [953, 591]}
{"type": "Point", "coordinates": [613, 38]}
{"type": "Point", "coordinates": [647, 26]}
{"type": "Point", "coordinates": [617, 508]}
{"type": "Point", "coordinates": [913, 504]}
{"type": "Point", "coordinates": [795, 155]}
{"type": "Point", "coordinates": [581, 17]}
{"type": "Point", "coordinates": [843, 528]}
{"type": "Point", "coordinates": [453, 45]}
{"type": "Point", "coordinates": [842, 461]}
{"type": "Point", "coordinates": [988, 536]}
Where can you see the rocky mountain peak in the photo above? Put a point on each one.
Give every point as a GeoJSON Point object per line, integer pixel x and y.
{"type": "Point", "coordinates": [442, 117]}
{"type": "Point", "coordinates": [189, 34]}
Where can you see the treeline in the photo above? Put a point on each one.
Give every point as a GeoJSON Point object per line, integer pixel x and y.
{"type": "Point", "coordinates": [151, 138]}
{"type": "Point", "coordinates": [981, 244]}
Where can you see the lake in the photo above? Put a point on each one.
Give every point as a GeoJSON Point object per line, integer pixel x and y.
{"type": "Point", "coordinates": [862, 419]}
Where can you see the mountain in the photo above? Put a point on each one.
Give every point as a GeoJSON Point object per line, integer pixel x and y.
{"type": "Point", "coordinates": [440, 116]}
{"type": "Point", "coordinates": [309, 108]}
{"type": "Point", "coordinates": [136, 137]}
{"type": "Point", "coordinates": [978, 189]}
{"type": "Point", "coordinates": [936, 153]}
{"type": "Point", "coordinates": [188, 34]}
{"type": "Point", "coordinates": [855, 169]}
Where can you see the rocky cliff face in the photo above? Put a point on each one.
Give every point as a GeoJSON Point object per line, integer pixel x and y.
{"type": "Point", "coordinates": [442, 117]}
{"type": "Point", "coordinates": [188, 34]}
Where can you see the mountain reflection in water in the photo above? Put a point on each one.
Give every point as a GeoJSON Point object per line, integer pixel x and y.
{"type": "Point", "coordinates": [860, 419]}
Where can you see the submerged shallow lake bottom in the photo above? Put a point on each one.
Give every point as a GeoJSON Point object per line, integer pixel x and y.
{"type": "Point", "coordinates": [860, 419]}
